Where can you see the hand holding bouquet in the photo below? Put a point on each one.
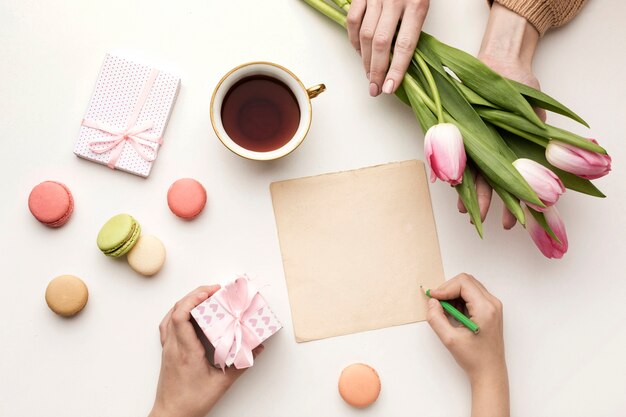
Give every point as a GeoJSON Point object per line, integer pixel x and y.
{"type": "Point", "coordinates": [476, 121]}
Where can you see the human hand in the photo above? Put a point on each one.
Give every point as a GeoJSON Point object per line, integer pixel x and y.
{"type": "Point", "coordinates": [508, 48]}
{"type": "Point", "coordinates": [372, 26]}
{"type": "Point", "coordinates": [189, 386]}
{"type": "Point", "coordinates": [480, 355]}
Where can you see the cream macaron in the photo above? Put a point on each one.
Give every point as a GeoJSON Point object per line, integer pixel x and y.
{"type": "Point", "coordinates": [147, 256]}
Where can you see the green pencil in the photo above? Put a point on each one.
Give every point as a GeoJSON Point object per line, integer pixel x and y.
{"type": "Point", "coordinates": [462, 318]}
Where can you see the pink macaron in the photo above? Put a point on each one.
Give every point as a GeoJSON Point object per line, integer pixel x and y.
{"type": "Point", "coordinates": [186, 198]}
{"type": "Point", "coordinates": [51, 203]}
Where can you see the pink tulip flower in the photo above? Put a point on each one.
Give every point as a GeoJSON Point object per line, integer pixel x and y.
{"type": "Point", "coordinates": [445, 153]}
{"type": "Point", "coordinates": [585, 164]}
{"type": "Point", "coordinates": [543, 181]}
{"type": "Point", "coordinates": [546, 244]}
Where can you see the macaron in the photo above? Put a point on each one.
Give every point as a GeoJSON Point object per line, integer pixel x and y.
{"type": "Point", "coordinates": [359, 385]}
{"type": "Point", "coordinates": [51, 203]}
{"type": "Point", "coordinates": [118, 235]}
{"type": "Point", "coordinates": [66, 295]}
{"type": "Point", "coordinates": [147, 256]}
{"type": "Point", "coordinates": [186, 198]}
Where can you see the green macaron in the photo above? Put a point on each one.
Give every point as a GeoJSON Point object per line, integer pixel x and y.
{"type": "Point", "coordinates": [118, 235]}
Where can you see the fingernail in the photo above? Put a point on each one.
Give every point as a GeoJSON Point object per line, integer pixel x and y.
{"type": "Point", "coordinates": [373, 89]}
{"type": "Point", "coordinates": [368, 76]}
{"type": "Point", "coordinates": [388, 87]}
{"type": "Point", "coordinates": [432, 302]}
{"type": "Point", "coordinates": [358, 51]}
{"type": "Point", "coordinates": [203, 294]}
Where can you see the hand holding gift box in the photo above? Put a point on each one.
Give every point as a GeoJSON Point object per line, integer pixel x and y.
{"type": "Point", "coordinates": [236, 319]}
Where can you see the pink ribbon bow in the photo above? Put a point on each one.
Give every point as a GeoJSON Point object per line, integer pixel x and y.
{"type": "Point", "coordinates": [234, 340]}
{"type": "Point", "coordinates": [134, 133]}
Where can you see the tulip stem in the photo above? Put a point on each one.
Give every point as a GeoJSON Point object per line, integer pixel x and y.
{"type": "Point", "coordinates": [342, 4]}
{"type": "Point", "coordinates": [410, 84]}
{"type": "Point", "coordinates": [525, 135]}
{"type": "Point", "coordinates": [432, 84]}
{"type": "Point", "coordinates": [327, 10]}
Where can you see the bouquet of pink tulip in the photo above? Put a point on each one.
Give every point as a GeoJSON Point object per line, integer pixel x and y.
{"type": "Point", "coordinates": [475, 119]}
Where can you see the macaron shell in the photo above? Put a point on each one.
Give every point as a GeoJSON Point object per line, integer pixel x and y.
{"type": "Point", "coordinates": [66, 295]}
{"type": "Point", "coordinates": [147, 256]}
{"type": "Point", "coordinates": [116, 232]}
{"type": "Point", "coordinates": [359, 385]}
{"type": "Point", "coordinates": [65, 218]}
{"type": "Point", "coordinates": [51, 203]}
{"type": "Point", "coordinates": [186, 198]}
{"type": "Point", "coordinates": [128, 245]}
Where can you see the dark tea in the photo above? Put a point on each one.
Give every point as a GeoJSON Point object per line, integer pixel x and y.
{"type": "Point", "coordinates": [260, 113]}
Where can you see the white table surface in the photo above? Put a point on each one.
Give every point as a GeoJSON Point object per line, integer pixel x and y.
{"type": "Point", "coordinates": [564, 319]}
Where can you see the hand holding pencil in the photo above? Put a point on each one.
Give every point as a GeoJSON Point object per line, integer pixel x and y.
{"type": "Point", "coordinates": [480, 354]}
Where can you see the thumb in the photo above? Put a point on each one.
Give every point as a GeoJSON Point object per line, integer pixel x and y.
{"type": "Point", "coordinates": [439, 322]}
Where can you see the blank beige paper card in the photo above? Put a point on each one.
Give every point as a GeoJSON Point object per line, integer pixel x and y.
{"type": "Point", "coordinates": [356, 247]}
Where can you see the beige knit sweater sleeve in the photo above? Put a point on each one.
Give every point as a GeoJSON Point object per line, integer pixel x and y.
{"type": "Point", "coordinates": [544, 14]}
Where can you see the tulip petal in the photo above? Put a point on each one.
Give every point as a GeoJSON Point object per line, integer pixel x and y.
{"type": "Point", "coordinates": [549, 247]}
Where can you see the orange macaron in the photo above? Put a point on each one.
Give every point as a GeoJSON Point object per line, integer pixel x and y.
{"type": "Point", "coordinates": [359, 385]}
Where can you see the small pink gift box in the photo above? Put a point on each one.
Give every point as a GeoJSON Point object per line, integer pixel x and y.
{"type": "Point", "coordinates": [127, 115]}
{"type": "Point", "coordinates": [235, 320]}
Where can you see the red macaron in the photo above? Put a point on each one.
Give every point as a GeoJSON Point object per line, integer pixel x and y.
{"type": "Point", "coordinates": [51, 203]}
{"type": "Point", "coordinates": [186, 198]}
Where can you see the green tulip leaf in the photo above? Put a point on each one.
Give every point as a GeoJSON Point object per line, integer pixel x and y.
{"type": "Point", "coordinates": [471, 96]}
{"type": "Point", "coordinates": [510, 201]}
{"type": "Point", "coordinates": [538, 99]}
{"type": "Point", "coordinates": [523, 128]}
{"type": "Point", "coordinates": [401, 94]}
{"type": "Point", "coordinates": [480, 78]}
{"type": "Point", "coordinates": [467, 192]}
{"type": "Point", "coordinates": [573, 139]}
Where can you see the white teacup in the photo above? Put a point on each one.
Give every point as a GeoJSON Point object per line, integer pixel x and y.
{"type": "Point", "coordinates": [302, 94]}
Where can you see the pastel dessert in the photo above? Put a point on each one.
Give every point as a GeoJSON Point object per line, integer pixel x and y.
{"type": "Point", "coordinates": [147, 256]}
{"type": "Point", "coordinates": [51, 203]}
{"type": "Point", "coordinates": [359, 385]}
{"type": "Point", "coordinates": [118, 235]}
{"type": "Point", "coordinates": [66, 295]}
{"type": "Point", "coordinates": [186, 198]}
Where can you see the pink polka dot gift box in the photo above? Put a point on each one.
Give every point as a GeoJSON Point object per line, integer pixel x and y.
{"type": "Point", "coordinates": [235, 320]}
{"type": "Point", "coordinates": [127, 115]}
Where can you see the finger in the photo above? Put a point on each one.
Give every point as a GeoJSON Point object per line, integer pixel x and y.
{"type": "Point", "coordinates": [460, 205]}
{"type": "Point", "coordinates": [508, 219]}
{"type": "Point", "coordinates": [163, 326]}
{"type": "Point", "coordinates": [492, 298]}
{"type": "Point", "coordinates": [483, 191]}
{"type": "Point", "coordinates": [381, 45]}
{"type": "Point", "coordinates": [211, 289]}
{"type": "Point", "coordinates": [366, 34]}
{"type": "Point", "coordinates": [182, 309]}
{"type": "Point", "coordinates": [355, 18]}
{"type": "Point", "coordinates": [406, 41]}
{"type": "Point", "coordinates": [541, 113]}
{"type": "Point", "coordinates": [463, 286]}
{"type": "Point", "coordinates": [439, 322]}
{"type": "Point", "coordinates": [181, 315]}
{"type": "Point", "coordinates": [257, 351]}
